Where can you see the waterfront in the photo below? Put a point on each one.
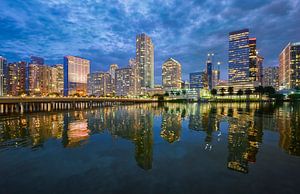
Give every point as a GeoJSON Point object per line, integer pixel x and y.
{"type": "Point", "coordinates": [153, 148]}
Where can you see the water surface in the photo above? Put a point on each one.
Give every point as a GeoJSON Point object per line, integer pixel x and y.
{"type": "Point", "coordinates": [153, 148]}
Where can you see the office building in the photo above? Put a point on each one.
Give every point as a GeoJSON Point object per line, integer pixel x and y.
{"type": "Point", "coordinates": [209, 70]}
{"type": "Point", "coordinates": [145, 60]}
{"type": "Point", "coordinates": [76, 70]}
{"type": "Point", "coordinates": [16, 78]}
{"type": "Point", "coordinates": [270, 77]}
{"type": "Point", "coordinates": [123, 81]}
{"type": "Point", "coordinates": [3, 72]}
{"type": "Point", "coordinates": [215, 78]}
{"type": "Point", "coordinates": [289, 66]}
{"type": "Point", "coordinates": [238, 56]}
{"type": "Point", "coordinates": [99, 84]}
{"type": "Point", "coordinates": [198, 80]}
{"type": "Point", "coordinates": [171, 74]}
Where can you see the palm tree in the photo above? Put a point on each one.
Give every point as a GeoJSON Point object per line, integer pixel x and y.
{"type": "Point", "coordinates": [230, 91]}
{"type": "Point", "coordinates": [214, 92]}
{"type": "Point", "coordinates": [260, 91]}
{"type": "Point", "coordinates": [222, 91]}
{"type": "Point", "coordinates": [248, 92]}
{"type": "Point", "coordinates": [240, 93]}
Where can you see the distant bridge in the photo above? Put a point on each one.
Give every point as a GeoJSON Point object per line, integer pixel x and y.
{"type": "Point", "coordinates": [34, 104]}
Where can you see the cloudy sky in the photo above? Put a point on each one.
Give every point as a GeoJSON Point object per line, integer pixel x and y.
{"type": "Point", "coordinates": [104, 31]}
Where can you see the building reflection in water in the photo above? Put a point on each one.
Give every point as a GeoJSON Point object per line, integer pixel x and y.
{"type": "Point", "coordinates": [246, 123]}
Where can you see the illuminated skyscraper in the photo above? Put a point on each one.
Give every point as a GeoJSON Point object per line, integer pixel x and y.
{"type": "Point", "coordinates": [145, 60]}
{"type": "Point", "coordinates": [270, 77]}
{"type": "Point", "coordinates": [99, 84]}
{"type": "Point", "coordinates": [198, 80]}
{"type": "Point", "coordinates": [171, 74]}
{"type": "Point", "coordinates": [136, 79]}
{"type": "Point", "coordinates": [39, 78]}
{"type": "Point", "coordinates": [76, 70]}
{"type": "Point", "coordinates": [239, 56]}
{"type": "Point", "coordinates": [57, 79]}
{"type": "Point", "coordinates": [215, 78]}
{"type": "Point", "coordinates": [209, 70]}
{"type": "Point", "coordinates": [3, 72]}
{"type": "Point", "coordinates": [16, 78]}
{"type": "Point", "coordinates": [289, 66]}
{"type": "Point", "coordinates": [112, 71]}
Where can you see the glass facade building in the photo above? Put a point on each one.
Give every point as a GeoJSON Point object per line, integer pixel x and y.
{"type": "Point", "coordinates": [289, 66]}
{"type": "Point", "coordinates": [76, 70]}
{"type": "Point", "coordinates": [198, 80]}
{"type": "Point", "coordinates": [16, 78]}
{"type": "Point", "coordinates": [238, 58]}
{"type": "Point", "coordinates": [145, 60]}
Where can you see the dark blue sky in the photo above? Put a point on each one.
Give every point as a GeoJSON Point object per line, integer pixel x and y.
{"type": "Point", "coordinates": [104, 31]}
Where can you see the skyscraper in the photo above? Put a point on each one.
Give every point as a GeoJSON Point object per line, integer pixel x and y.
{"type": "Point", "coordinates": [198, 80]}
{"type": "Point", "coordinates": [3, 73]}
{"type": "Point", "coordinates": [57, 79]}
{"type": "Point", "coordinates": [239, 56]}
{"type": "Point", "coordinates": [39, 78]}
{"type": "Point", "coordinates": [123, 81]}
{"type": "Point", "coordinates": [136, 79]}
{"type": "Point", "coordinates": [289, 66]}
{"type": "Point", "coordinates": [99, 84]}
{"type": "Point", "coordinates": [145, 60]}
{"type": "Point", "coordinates": [16, 78]}
{"type": "Point", "coordinates": [255, 62]}
{"type": "Point", "coordinates": [209, 70]}
{"type": "Point", "coordinates": [270, 77]}
{"type": "Point", "coordinates": [76, 70]}
{"type": "Point", "coordinates": [171, 74]}
{"type": "Point", "coordinates": [215, 78]}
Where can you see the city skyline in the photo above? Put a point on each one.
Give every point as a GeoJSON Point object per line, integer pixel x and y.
{"type": "Point", "coordinates": [205, 30]}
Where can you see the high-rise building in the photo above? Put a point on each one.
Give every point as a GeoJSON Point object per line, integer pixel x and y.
{"type": "Point", "coordinates": [145, 60]}
{"type": "Point", "coordinates": [289, 66]}
{"type": "Point", "coordinates": [245, 65]}
{"type": "Point", "coordinates": [99, 84]}
{"type": "Point", "coordinates": [215, 78]}
{"type": "Point", "coordinates": [3, 73]}
{"type": "Point", "coordinates": [198, 80]}
{"type": "Point", "coordinates": [209, 70]}
{"type": "Point", "coordinates": [123, 81]}
{"type": "Point", "coordinates": [57, 79]}
{"type": "Point", "coordinates": [112, 71]}
{"type": "Point", "coordinates": [270, 77]}
{"type": "Point", "coordinates": [136, 79]}
{"type": "Point", "coordinates": [239, 56]}
{"type": "Point", "coordinates": [76, 70]}
{"type": "Point", "coordinates": [171, 74]}
{"type": "Point", "coordinates": [16, 78]}
{"type": "Point", "coordinates": [39, 78]}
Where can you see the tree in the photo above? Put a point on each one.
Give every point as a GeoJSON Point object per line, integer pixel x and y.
{"type": "Point", "coordinates": [259, 90]}
{"type": "Point", "coordinates": [248, 92]}
{"type": "Point", "coordinates": [230, 91]}
{"type": "Point", "coordinates": [172, 92]}
{"type": "Point", "coordinates": [184, 92]}
{"type": "Point", "coordinates": [177, 93]}
{"type": "Point", "coordinates": [214, 92]}
{"type": "Point", "coordinates": [240, 93]}
{"type": "Point", "coordinates": [269, 90]}
{"type": "Point", "coordinates": [222, 91]}
{"type": "Point", "coordinates": [167, 94]}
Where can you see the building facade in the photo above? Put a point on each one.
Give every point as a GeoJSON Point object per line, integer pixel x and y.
{"type": "Point", "coordinates": [270, 77]}
{"type": "Point", "coordinates": [171, 74]}
{"type": "Point", "coordinates": [215, 78]}
{"type": "Point", "coordinates": [57, 79]}
{"type": "Point", "coordinates": [209, 71]}
{"type": "Point", "coordinates": [76, 70]}
{"type": "Point", "coordinates": [289, 66]}
{"type": "Point", "coordinates": [39, 78]}
{"type": "Point", "coordinates": [198, 80]}
{"type": "Point", "coordinates": [124, 82]}
{"type": "Point", "coordinates": [112, 71]}
{"type": "Point", "coordinates": [16, 78]}
{"type": "Point", "coordinates": [145, 60]}
{"type": "Point", "coordinates": [99, 84]}
{"type": "Point", "coordinates": [3, 73]}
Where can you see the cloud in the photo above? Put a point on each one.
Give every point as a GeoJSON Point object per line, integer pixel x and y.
{"type": "Point", "coordinates": [104, 31]}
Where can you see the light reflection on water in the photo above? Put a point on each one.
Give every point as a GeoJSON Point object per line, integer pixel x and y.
{"type": "Point", "coordinates": [242, 126]}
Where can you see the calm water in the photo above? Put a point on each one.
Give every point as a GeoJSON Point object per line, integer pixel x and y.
{"type": "Point", "coordinates": [151, 148]}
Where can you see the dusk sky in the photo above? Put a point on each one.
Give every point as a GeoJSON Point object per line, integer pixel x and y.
{"type": "Point", "coordinates": [104, 31]}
